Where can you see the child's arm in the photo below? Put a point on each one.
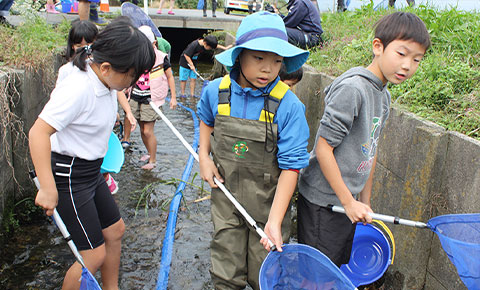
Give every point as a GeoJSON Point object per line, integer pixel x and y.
{"type": "Point", "coordinates": [285, 187]}
{"type": "Point", "coordinates": [366, 192]}
{"type": "Point", "coordinates": [122, 99]}
{"type": "Point", "coordinates": [171, 85]}
{"type": "Point", "coordinates": [190, 62]}
{"type": "Point", "coordinates": [224, 47]}
{"type": "Point", "coordinates": [207, 168]}
{"type": "Point", "coordinates": [355, 210]}
{"type": "Point", "coordinates": [40, 150]}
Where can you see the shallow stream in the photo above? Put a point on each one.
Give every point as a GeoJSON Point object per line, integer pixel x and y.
{"type": "Point", "coordinates": [37, 256]}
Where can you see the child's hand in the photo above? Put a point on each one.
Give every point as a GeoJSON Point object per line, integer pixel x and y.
{"type": "Point", "coordinates": [274, 233]}
{"type": "Point", "coordinates": [358, 212]}
{"type": "Point", "coordinates": [173, 103]}
{"type": "Point", "coordinates": [132, 121]}
{"type": "Point", "coordinates": [47, 199]}
{"type": "Point", "coordinates": [208, 170]}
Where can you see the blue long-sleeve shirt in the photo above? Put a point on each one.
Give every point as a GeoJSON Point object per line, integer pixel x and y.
{"type": "Point", "coordinates": [246, 103]}
{"type": "Point", "coordinates": [304, 15]}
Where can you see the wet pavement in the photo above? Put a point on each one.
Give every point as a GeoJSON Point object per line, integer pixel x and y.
{"type": "Point", "coordinates": [37, 256]}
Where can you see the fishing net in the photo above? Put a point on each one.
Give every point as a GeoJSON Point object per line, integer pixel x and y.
{"type": "Point", "coordinates": [460, 238]}
{"type": "Point", "coordinates": [301, 267]}
{"type": "Point", "coordinates": [139, 17]}
{"type": "Point", "coordinates": [88, 282]}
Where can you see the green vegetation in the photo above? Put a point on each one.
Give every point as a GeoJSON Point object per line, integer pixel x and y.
{"type": "Point", "coordinates": [32, 44]}
{"type": "Point", "coordinates": [446, 87]}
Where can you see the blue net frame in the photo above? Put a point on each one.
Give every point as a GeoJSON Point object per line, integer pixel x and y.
{"type": "Point", "coordinates": [459, 235]}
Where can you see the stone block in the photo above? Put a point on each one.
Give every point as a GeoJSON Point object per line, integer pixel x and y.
{"type": "Point", "coordinates": [310, 90]}
{"type": "Point", "coordinates": [6, 162]}
{"type": "Point", "coordinates": [408, 195]}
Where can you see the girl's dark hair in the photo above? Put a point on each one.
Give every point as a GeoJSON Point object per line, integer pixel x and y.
{"type": "Point", "coordinates": [211, 40]}
{"type": "Point", "coordinates": [402, 26]}
{"type": "Point", "coordinates": [81, 29]}
{"type": "Point", "coordinates": [295, 75]}
{"type": "Point", "coordinates": [123, 46]}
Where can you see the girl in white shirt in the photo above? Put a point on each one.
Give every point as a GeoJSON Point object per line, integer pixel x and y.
{"type": "Point", "coordinates": [69, 140]}
{"type": "Point", "coordinates": [83, 33]}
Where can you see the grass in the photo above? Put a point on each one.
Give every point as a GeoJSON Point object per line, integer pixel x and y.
{"type": "Point", "coordinates": [444, 90]}
{"type": "Point", "coordinates": [446, 87]}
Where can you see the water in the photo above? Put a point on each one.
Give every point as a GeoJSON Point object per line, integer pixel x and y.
{"type": "Point", "coordinates": [37, 256]}
{"type": "Point", "coordinates": [467, 5]}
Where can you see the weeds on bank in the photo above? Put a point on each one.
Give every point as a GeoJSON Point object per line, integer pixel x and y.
{"type": "Point", "coordinates": [446, 87]}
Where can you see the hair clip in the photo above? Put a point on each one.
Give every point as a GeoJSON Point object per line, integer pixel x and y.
{"type": "Point", "coordinates": [88, 49]}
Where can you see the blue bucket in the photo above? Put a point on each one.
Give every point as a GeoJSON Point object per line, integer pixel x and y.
{"type": "Point", "coordinates": [371, 255]}
{"type": "Point", "coordinates": [66, 6]}
{"type": "Point", "coordinates": [113, 160]}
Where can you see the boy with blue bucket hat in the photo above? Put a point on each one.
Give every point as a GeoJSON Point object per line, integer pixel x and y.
{"type": "Point", "coordinates": [256, 130]}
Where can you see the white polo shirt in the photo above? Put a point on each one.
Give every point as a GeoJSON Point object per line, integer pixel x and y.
{"type": "Point", "coordinates": [83, 111]}
{"type": "Point", "coordinates": [65, 70]}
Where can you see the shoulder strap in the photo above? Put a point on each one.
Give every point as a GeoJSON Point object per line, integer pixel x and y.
{"type": "Point", "coordinates": [224, 96]}
{"type": "Point", "coordinates": [273, 101]}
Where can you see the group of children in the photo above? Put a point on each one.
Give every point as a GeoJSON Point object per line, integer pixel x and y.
{"type": "Point", "coordinates": [253, 138]}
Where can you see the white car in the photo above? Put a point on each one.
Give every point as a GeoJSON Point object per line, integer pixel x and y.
{"type": "Point", "coordinates": [240, 5]}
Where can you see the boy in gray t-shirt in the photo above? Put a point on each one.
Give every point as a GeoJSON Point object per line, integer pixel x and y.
{"type": "Point", "coordinates": [342, 163]}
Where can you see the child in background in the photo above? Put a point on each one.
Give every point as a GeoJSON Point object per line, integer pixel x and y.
{"type": "Point", "coordinates": [188, 59]}
{"type": "Point", "coordinates": [291, 79]}
{"type": "Point", "coordinates": [259, 143]}
{"type": "Point", "coordinates": [81, 34]}
{"type": "Point", "coordinates": [154, 85]}
{"type": "Point", "coordinates": [69, 140]}
{"type": "Point", "coordinates": [342, 163]}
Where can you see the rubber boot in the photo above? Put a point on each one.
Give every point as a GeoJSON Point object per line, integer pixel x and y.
{"type": "Point", "coordinates": [257, 7]}
{"type": "Point", "coordinates": [204, 8]}
{"type": "Point", "coordinates": [250, 8]}
{"type": "Point", "coordinates": [51, 9]}
{"type": "Point", "coordinates": [214, 8]}
{"type": "Point", "coordinates": [93, 16]}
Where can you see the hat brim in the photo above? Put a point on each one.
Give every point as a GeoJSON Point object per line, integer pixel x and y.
{"type": "Point", "coordinates": [293, 57]}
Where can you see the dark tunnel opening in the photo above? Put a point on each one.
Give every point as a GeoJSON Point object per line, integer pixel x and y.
{"type": "Point", "coordinates": [179, 38]}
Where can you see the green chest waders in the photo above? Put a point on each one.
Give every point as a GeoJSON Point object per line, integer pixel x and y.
{"type": "Point", "coordinates": [245, 154]}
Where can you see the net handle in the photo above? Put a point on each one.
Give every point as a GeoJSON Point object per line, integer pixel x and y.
{"type": "Point", "coordinates": [237, 205]}
{"type": "Point", "coordinates": [384, 218]}
{"type": "Point", "coordinates": [61, 226]}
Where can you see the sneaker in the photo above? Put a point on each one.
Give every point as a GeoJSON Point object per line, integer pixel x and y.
{"type": "Point", "coordinates": [125, 144]}
{"type": "Point", "coordinates": [50, 8]}
{"type": "Point", "coordinates": [112, 184]}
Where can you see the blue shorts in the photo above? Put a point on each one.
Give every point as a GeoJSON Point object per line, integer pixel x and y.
{"type": "Point", "coordinates": [186, 73]}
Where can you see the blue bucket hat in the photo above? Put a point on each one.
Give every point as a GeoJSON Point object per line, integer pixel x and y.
{"type": "Point", "coordinates": [264, 31]}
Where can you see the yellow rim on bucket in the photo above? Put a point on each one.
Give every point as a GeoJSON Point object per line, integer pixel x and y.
{"type": "Point", "coordinates": [384, 228]}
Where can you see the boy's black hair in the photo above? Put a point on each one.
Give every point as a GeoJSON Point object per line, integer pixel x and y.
{"type": "Point", "coordinates": [295, 75]}
{"type": "Point", "coordinates": [211, 40]}
{"type": "Point", "coordinates": [123, 46]}
{"type": "Point", "coordinates": [402, 26]}
{"type": "Point", "coordinates": [81, 29]}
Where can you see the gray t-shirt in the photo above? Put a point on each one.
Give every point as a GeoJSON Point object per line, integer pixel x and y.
{"type": "Point", "coordinates": [356, 107]}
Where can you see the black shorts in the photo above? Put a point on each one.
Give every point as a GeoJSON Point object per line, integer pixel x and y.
{"type": "Point", "coordinates": [84, 200]}
{"type": "Point", "coordinates": [330, 232]}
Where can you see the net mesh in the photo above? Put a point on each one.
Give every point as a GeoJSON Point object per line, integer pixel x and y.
{"type": "Point", "coordinates": [301, 267]}
{"type": "Point", "coordinates": [460, 238]}
{"type": "Point", "coordinates": [88, 282]}
{"type": "Point", "coordinates": [139, 17]}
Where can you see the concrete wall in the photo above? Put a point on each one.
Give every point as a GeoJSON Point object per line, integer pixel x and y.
{"type": "Point", "coordinates": [423, 171]}
{"type": "Point", "coordinates": [28, 92]}
{"type": "Point", "coordinates": [6, 173]}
